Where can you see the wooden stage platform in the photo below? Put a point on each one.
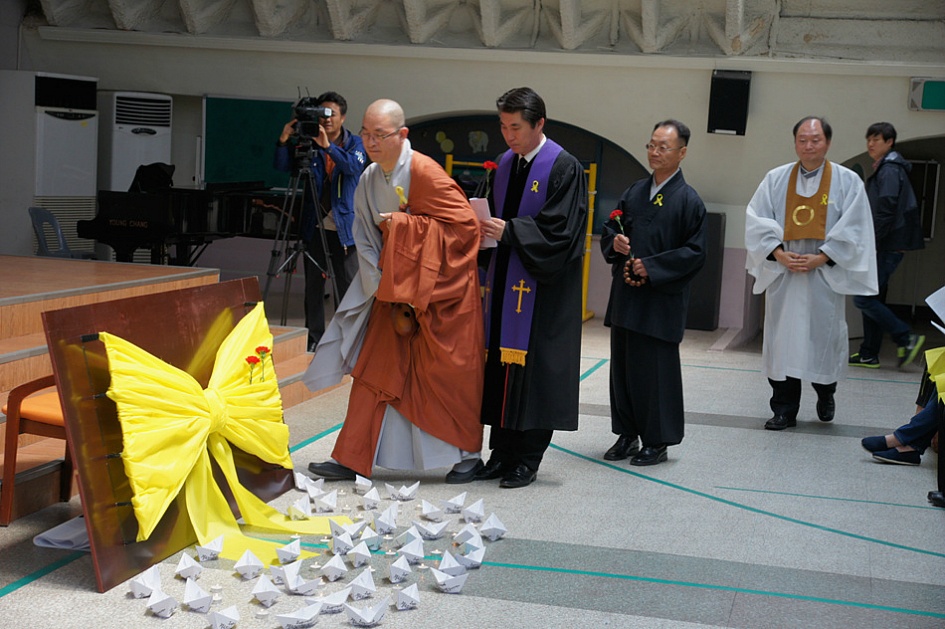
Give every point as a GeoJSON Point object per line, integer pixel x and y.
{"type": "Point", "coordinates": [31, 285]}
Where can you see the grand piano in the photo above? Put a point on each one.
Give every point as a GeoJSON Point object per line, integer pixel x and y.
{"type": "Point", "coordinates": [177, 224]}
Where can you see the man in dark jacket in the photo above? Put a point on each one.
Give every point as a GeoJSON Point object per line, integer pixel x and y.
{"type": "Point", "coordinates": [896, 223]}
{"type": "Point", "coordinates": [338, 160]}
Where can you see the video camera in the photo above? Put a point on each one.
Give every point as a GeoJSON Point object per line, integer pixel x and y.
{"type": "Point", "coordinates": [308, 113]}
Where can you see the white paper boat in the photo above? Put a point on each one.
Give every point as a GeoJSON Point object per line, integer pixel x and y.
{"type": "Point", "coordinates": [146, 582]}
{"type": "Point", "coordinates": [465, 534]}
{"type": "Point", "coordinates": [431, 512]}
{"type": "Point", "coordinates": [454, 504]}
{"type": "Point", "coordinates": [211, 551]}
{"type": "Point", "coordinates": [334, 568]}
{"type": "Point", "coordinates": [472, 559]}
{"type": "Point", "coordinates": [336, 528]}
{"type": "Point", "coordinates": [371, 499]}
{"type": "Point", "coordinates": [399, 570]}
{"type": "Point", "coordinates": [474, 512]}
{"type": "Point", "coordinates": [448, 583]}
{"type": "Point", "coordinates": [332, 603]}
{"type": "Point", "coordinates": [341, 544]}
{"type": "Point", "coordinates": [408, 598]}
{"type": "Point", "coordinates": [187, 568]}
{"type": "Point", "coordinates": [372, 539]}
{"type": "Point", "coordinates": [368, 616]}
{"type": "Point", "coordinates": [196, 598]}
{"type": "Point", "coordinates": [301, 509]}
{"type": "Point", "coordinates": [248, 565]}
{"type": "Point", "coordinates": [161, 604]}
{"type": "Point", "coordinates": [277, 574]}
{"type": "Point", "coordinates": [362, 485]}
{"type": "Point", "coordinates": [225, 618]}
{"type": "Point", "coordinates": [300, 479]}
{"type": "Point", "coordinates": [359, 555]}
{"type": "Point", "coordinates": [492, 529]}
{"type": "Point", "coordinates": [385, 523]}
{"type": "Point", "coordinates": [315, 488]}
{"type": "Point", "coordinates": [403, 493]}
{"type": "Point", "coordinates": [412, 551]}
{"type": "Point", "coordinates": [301, 618]}
{"type": "Point", "coordinates": [362, 586]}
{"type": "Point", "coordinates": [431, 531]}
{"type": "Point", "coordinates": [450, 566]}
{"type": "Point", "coordinates": [295, 583]}
{"type": "Point", "coordinates": [408, 536]}
{"type": "Point", "coordinates": [290, 552]}
{"type": "Point", "coordinates": [266, 592]}
{"type": "Point", "coordinates": [327, 502]}
{"type": "Point", "coordinates": [354, 529]}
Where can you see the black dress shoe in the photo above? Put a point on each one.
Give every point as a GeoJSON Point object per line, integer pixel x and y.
{"type": "Point", "coordinates": [458, 478]}
{"type": "Point", "coordinates": [329, 470]}
{"type": "Point", "coordinates": [491, 470]}
{"type": "Point", "coordinates": [626, 446]}
{"type": "Point", "coordinates": [650, 456]}
{"type": "Point", "coordinates": [780, 422]}
{"type": "Point", "coordinates": [826, 409]}
{"type": "Point", "coordinates": [520, 476]}
{"type": "Point", "coordinates": [937, 498]}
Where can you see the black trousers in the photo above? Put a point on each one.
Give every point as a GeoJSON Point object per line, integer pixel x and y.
{"type": "Point", "coordinates": [344, 267]}
{"type": "Point", "coordinates": [786, 395]}
{"type": "Point", "coordinates": [512, 447]}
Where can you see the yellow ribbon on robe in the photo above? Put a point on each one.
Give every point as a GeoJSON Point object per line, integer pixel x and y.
{"type": "Point", "coordinates": [171, 427]}
{"type": "Point", "coordinates": [935, 359]}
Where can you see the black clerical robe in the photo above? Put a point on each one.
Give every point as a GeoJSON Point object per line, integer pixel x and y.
{"type": "Point", "coordinates": [544, 393]}
{"type": "Point", "coordinates": [668, 233]}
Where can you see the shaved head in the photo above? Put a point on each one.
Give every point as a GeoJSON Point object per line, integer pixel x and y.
{"type": "Point", "coordinates": [387, 110]}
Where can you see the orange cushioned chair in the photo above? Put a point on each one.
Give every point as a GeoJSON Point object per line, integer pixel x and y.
{"type": "Point", "coordinates": [39, 414]}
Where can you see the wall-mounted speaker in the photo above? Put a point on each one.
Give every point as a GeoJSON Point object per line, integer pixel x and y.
{"type": "Point", "coordinates": [728, 101]}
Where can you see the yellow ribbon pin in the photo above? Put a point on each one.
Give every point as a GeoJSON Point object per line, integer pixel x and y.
{"type": "Point", "coordinates": [658, 200]}
{"type": "Point", "coordinates": [400, 195]}
{"type": "Point", "coordinates": [535, 186]}
{"type": "Point", "coordinates": [823, 200]}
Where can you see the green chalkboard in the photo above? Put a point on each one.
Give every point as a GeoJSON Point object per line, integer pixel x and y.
{"type": "Point", "coordinates": [240, 137]}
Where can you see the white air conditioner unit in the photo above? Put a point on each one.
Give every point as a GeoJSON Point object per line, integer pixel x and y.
{"type": "Point", "coordinates": [135, 129]}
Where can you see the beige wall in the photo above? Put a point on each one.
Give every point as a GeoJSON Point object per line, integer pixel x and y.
{"type": "Point", "coordinates": [616, 96]}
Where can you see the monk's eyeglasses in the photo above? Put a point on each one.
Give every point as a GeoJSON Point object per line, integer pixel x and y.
{"type": "Point", "coordinates": [652, 148]}
{"type": "Point", "coordinates": [367, 137]}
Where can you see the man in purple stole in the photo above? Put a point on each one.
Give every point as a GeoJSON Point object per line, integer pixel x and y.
{"type": "Point", "coordinates": [532, 305]}
{"type": "Point", "coordinates": [656, 246]}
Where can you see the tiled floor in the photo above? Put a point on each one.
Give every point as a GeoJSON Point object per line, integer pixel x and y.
{"type": "Point", "coordinates": [740, 528]}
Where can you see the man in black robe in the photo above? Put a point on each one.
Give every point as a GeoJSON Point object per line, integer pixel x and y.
{"type": "Point", "coordinates": [532, 305]}
{"type": "Point", "coordinates": [655, 242]}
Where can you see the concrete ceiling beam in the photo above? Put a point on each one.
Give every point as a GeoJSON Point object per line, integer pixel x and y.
{"type": "Point", "coordinates": [349, 18]}
{"type": "Point", "coordinates": [65, 12]}
{"type": "Point", "coordinates": [423, 18]}
{"type": "Point", "coordinates": [570, 26]}
{"type": "Point", "coordinates": [133, 15]}
{"type": "Point", "coordinates": [201, 15]}
{"type": "Point", "coordinates": [744, 29]}
{"type": "Point", "coordinates": [274, 17]}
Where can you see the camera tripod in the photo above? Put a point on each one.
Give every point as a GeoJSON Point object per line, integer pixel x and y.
{"type": "Point", "coordinates": [288, 249]}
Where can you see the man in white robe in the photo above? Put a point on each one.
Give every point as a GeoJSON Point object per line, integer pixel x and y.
{"type": "Point", "coordinates": [809, 245]}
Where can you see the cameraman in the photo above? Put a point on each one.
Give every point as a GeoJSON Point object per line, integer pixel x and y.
{"type": "Point", "coordinates": [338, 160]}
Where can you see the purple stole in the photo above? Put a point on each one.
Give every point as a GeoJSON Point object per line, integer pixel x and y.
{"type": "Point", "coordinates": [518, 304]}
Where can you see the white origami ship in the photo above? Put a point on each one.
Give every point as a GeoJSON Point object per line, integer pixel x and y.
{"type": "Point", "coordinates": [412, 551]}
{"type": "Point", "coordinates": [187, 568]}
{"type": "Point", "coordinates": [301, 509]}
{"type": "Point", "coordinates": [362, 485]}
{"type": "Point", "coordinates": [290, 552]}
{"type": "Point", "coordinates": [465, 534]}
{"type": "Point", "coordinates": [359, 555]}
{"type": "Point", "coordinates": [211, 551]}
{"type": "Point", "coordinates": [431, 531]}
{"type": "Point", "coordinates": [399, 570]}
{"type": "Point", "coordinates": [472, 559]}
{"type": "Point", "coordinates": [161, 604]}
{"type": "Point", "coordinates": [431, 512]}
{"type": "Point", "coordinates": [301, 618]}
{"type": "Point", "coordinates": [408, 598]}
{"type": "Point", "coordinates": [404, 493]}
{"type": "Point", "coordinates": [369, 616]}
{"type": "Point", "coordinates": [334, 568]}
{"type": "Point", "coordinates": [146, 582]}
{"type": "Point", "coordinates": [196, 598]}
{"type": "Point", "coordinates": [225, 618]}
{"type": "Point", "coordinates": [448, 583]}
{"type": "Point", "coordinates": [371, 499]}
{"type": "Point", "coordinates": [492, 529]}
{"type": "Point", "coordinates": [454, 504]}
{"type": "Point", "coordinates": [474, 512]}
{"type": "Point", "coordinates": [372, 539]}
{"type": "Point", "coordinates": [327, 503]}
{"type": "Point", "coordinates": [341, 544]}
{"type": "Point", "coordinates": [362, 586]}
{"type": "Point", "coordinates": [332, 603]}
{"type": "Point", "coordinates": [450, 566]}
{"type": "Point", "coordinates": [266, 592]}
{"type": "Point", "coordinates": [248, 565]}
{"type": "Point", "coordinates": [295, 583]}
